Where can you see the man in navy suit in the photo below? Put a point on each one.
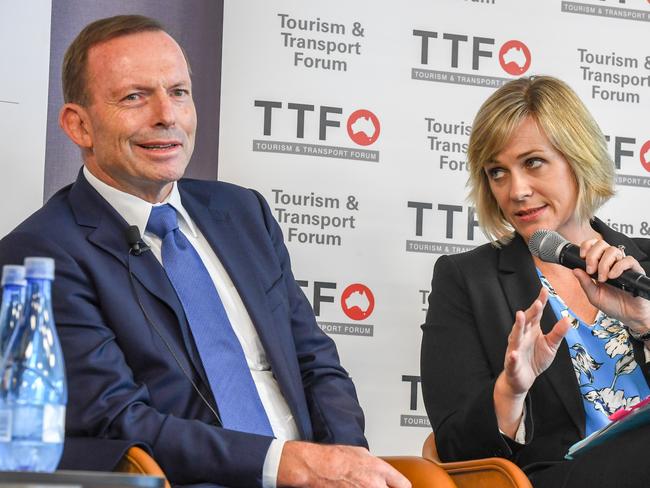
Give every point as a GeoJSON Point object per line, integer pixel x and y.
{"type": "Point", "coordinates": [134, 367]}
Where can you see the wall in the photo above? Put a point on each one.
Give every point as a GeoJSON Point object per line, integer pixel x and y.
{"type": "Point", "coordinates": [361, 151]}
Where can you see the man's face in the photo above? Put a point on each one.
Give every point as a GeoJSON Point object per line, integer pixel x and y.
{"type": "Point", "coordinates": [140, 119]}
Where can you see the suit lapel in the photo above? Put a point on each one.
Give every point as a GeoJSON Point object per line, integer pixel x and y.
{"type": "Point", "coordinates": [222, 235]}
{"type": "Point", "coordinates": [214, 220]}
{"type": "Point", "coordinates": [108, 234]}
{"type": "Point", "coordinates": [521, 285]}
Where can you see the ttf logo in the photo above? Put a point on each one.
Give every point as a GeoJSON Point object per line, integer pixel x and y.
{"type": "Point", "coordinates": [624, 147]}
{"type": "Point", "coordinates": [513, 55]}
{"type": "Point", "coordinates": [645, 152]}
{"type": "Point", "coordinates": [424, 212]}
{"type": "Point", "coordinates": [357, 300]}
{"type": "Point", "coordinates": [414, 381]}
{"type": "Point", "coordinates": [514, 58]}
{"type": "Point", "coordinates": [363, 127]}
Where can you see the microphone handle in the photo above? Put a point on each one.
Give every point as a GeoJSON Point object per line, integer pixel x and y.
{"type": "Point", "coordinates": [629, 281]}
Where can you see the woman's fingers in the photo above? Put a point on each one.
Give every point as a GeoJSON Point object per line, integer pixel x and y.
{"type": "Point", "coordinates": [605, 261]}
{"type": "Point", "coordinates": [534, 312]}
{"type": "Point", "coordinates": [592, 251]}
{"type": "Point", "coordinates": [557, 333]}
{"type": "Point", "coordinates": [517, 332]}
{"type": "Point", "coordinates": [628, 262]}
{"type": "Point", "coordinates": [526, 320]}
{"type": "Point", "coordinates": [609, 258]}
{"type": "Point", "coordinates": [587, 284]}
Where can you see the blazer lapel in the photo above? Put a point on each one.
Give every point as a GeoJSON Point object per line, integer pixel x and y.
{"type": "Point", "coordinates": [91, 210]}
{"type": "Point", "coordinates": [214, 220]}
{"type": "Point", "coordinates": [109, 234]}
{"type": "Point", "coordinates": [521, 285]}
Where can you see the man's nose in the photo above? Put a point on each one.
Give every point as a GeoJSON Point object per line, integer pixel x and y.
{"type": "Point", "coordinates": [164, 112]}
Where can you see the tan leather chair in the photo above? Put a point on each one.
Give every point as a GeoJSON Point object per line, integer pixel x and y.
{"type": "Point", "coordinates": [137, 461]}
{"type": "Point", "coordinates": [488, 472]}
{"type": "Point", "coordinates": [422, 473]}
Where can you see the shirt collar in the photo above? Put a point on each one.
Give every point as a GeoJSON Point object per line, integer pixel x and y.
{"type": "Point", "coordinates": [134, 209]}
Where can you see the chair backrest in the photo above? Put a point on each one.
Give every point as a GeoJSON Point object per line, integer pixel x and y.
{"type": "Point", "coordinates": [422, 473]}
{"type": "Point", "coordinates": [493, 472]}
{"type": "Point", "coordinates": [137, 461]}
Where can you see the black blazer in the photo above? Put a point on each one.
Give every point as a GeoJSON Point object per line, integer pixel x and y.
{"type": "Point", "coordinates": [474, 297]}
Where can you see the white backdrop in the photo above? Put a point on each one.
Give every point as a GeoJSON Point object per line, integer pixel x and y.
{"type": "Point", "coordinates": [367, 210]}
{"type": "Point", "coordinates": [25, 59]}
{"type": "Point", "coordinates": [376, 204]}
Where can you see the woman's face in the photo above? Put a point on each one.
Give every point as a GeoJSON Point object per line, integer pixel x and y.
{"type": "Point", "coordinates": [533, 183]}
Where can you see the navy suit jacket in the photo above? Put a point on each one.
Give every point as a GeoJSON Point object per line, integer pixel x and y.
{"type": "Point", "coordinates": [473, 301]}
{"type": "Point", "coordinates": [123, 381]}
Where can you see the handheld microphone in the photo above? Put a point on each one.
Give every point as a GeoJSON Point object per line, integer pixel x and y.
{"type": "Point", "coordinates": [551, 247]}
{"type": "Point", "coordinates": [136, 245]}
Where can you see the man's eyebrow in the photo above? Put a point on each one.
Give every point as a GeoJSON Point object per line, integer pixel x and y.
{"type": "Point", "coordinates": [184, 83]}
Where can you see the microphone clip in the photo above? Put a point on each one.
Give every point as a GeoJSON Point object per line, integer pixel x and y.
{"type": "Point", "coordinates": [136, 245]}
{"type": "Point", "coordinates": [138, 248]}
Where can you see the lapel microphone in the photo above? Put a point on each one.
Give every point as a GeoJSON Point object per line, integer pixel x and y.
{"type": "Point", "coordinates": [136, 245]}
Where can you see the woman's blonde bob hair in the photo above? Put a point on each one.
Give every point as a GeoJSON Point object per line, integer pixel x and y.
{"type": "Point", "coordinates": [570, 128]}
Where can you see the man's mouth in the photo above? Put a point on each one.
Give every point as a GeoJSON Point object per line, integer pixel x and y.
{"type": "Point", "coordinates": [159, 147]}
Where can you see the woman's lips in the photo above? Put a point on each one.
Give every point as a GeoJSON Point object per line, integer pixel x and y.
{"type": "Point", "coordinates": [530, 214]}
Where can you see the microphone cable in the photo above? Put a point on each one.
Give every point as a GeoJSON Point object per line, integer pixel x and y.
{"type": "Point", "coordinates": [136, 248]}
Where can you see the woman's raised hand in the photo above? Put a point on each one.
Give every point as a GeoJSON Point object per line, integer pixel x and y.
{"type": "Point", "coordinates": [529, 353]}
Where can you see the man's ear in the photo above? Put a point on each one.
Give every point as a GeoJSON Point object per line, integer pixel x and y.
{"type": "Point", "coordinates": [74, 121]}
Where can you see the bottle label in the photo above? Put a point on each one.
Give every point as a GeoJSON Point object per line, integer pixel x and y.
{"type": "Point", "coordinates": [53, 423]}
{"type": "Point", "coordinates": [5, 425]}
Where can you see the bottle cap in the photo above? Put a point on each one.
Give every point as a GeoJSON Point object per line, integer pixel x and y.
{"type": "Point", "coordinates": [13, 274]}
{"type": "Point", "coordinates": [39, 268]}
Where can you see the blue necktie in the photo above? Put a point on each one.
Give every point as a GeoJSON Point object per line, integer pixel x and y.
{"type": "Point", "coordinates": [230, 378]}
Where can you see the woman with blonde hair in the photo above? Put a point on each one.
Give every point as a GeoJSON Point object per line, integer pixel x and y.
{"type": "Point", "coordinates": [522, 358]}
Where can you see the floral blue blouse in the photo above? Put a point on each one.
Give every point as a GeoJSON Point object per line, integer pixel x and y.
{"type": "Point", "coordinates": [603, 361]}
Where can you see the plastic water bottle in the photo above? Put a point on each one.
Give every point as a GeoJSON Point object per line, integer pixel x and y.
{"type": "Point", "coordinates": [13, 300]}
{"type": "Point", "coordinates": [33, 392]}
{"type": "Point", "coordinates": [11, 313]}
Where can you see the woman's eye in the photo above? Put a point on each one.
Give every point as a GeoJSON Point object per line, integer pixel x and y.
{"type": "Point", "coordinates": [495, 173]}
{"type": "Point", "coordinates": [534, 162]}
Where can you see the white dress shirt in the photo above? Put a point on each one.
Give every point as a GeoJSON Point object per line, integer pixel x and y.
{"type": "Point", "coordinates": [136, 212]}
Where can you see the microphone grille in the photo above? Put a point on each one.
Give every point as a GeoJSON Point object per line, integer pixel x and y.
{"type": "Point", "coordinates": [132, 235]}
{"type": "Point", "coordinates": [546, 244]}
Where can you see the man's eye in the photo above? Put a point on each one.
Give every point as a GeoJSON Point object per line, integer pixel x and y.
{"type": "Point", "coordinates": [180, 92]}
{"type": "Point", "coordinates": [132, 97]}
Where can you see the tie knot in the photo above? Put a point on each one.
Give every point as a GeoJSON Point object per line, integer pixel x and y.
{"type": "Point", "coordinates": [162, 220]}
